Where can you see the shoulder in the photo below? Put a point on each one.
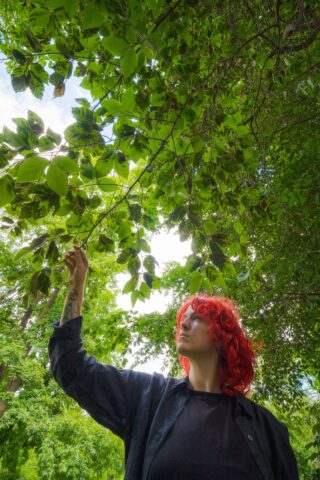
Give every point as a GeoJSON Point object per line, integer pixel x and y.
{"type": "Point", "coordinates": [145, 383]}
{"type": "Point", "coordinates": [265, 417]}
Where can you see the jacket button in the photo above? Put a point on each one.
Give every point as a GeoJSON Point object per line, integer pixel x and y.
{"type": "Point", "coordinates": [250, 437]}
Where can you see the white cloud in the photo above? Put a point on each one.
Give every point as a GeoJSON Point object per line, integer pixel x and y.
{"type": "Point", "coordinates": [55, 112]}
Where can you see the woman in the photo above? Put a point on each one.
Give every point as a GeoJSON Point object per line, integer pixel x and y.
{"type": "Point", "coordinates": [201, 427]}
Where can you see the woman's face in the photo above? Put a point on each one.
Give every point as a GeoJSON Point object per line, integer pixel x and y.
{"type": "Point", "coordinates": [194, 339]}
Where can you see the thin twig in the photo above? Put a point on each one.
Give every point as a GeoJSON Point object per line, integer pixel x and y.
{"type": "Point", "coordinates": [153, 157]}
{"type": "Point", "coordinates": [164, 15]}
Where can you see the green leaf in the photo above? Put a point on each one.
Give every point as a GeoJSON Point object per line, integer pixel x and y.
{"type": "Point", "coordinates": [56, 278]}
{"type": "Point", "coordinates": [123, 230]}
{"type": "Point", "coordinates": [95, 201]}
{"type": "Point", "coordinates": [103, 166]}
{"type": "Point", "coordinates": [19, 56]}
{"type": "Point", "coordinates": [238, 226]}
{"type": "Point", "coordinates": [55, 137]}
{"type": "Point", "coordinates": [149, 264]}
{"type": "Point", "coordinates": [19, 84]}
{"type": "Point", "coordinates": [129, 63]}
{"type": "Point", "coordinates": [5, 155]}
{"type": "Point", "coordinates": [260, 263]}
{"type": "Point", "coordinates": [157, 100]}
{"type": "Point", "coordinates": [145, 290]}
{"type": "Point", "coordinates": [123, 130]}
{"type": "Point", "coordinates": [156, 41]}
{"type": "Point", "coordinates": [105, 244]}
{"type": "Point", "coordinates": [134, 265]}
{"type": "Point", "coordinates": [57, 179]}
{"type": "Point", "coordinates": [66, 164]}
{"type": "Point", "coordinates": [39, 73]}
{"type": "Point", "coordinates": [121, 166]}
{"type": "Point", "coordinates": [130, 285]}
{"type": "Point", "coordinates": [59, 90]}
{"type": "Point", "coordinates": [6, 190]}
{"type": "Point", "coordinates": [113, 106]}
{"type": "Point", "coordinates": [195, 283]}
{"type": "Point", "coordinates": [45, 144]}
{"type": "Point", "coordinates": [254, 281]}
{"type": "Point", "coordinates": [107, 185]}
{"type": "Point", "coordinates": [12, 138]}
{"type": "Point", "coordinates": [70, 6]}
{"type": "Point", "coordinates": [216, 39]}
{"type": "Point", "coordinates": [199, 242]}
{"type": "Point", "coordinates": [207, 284]}
{"type": "Point", "coordinates": [156, 283]}
{"type": "Point", "coordinates": [135, 295]}
{"type": "Point", "coordinates": [52, 253]}
{"type": "Point", "coordinates": [148, 279]}
{"type": "Point", "coordinates": [124, 256]}
{"type": "Point", "coordinates": [91, 17]}
{"type": "Point", "coordinates": [128, 99]}
{"type": "Point", "coordinates": [219, 281]}
{"type": "Point", "coordinates": [135, 212]}
{"type": "Point", "coordinates": [87, 170]}
{"type": "Point", "coordinates": [211, 273]}
{"type": "Point", "coordinates": [38, 241]}
{"type": "Point", "coordinates": [117, 46]}
{"type": "Point", "coordinates": [44, 280]}
{"type": "Point", "coordinates": [193, 262]}
{"type": "Point", "coordinates": [217, 256]}
{"type": "Point", "coordinates": [144, 245]}
{"type": "Point", "coordinates": [32, 168]}
{"type": "Point", "coordinates": [35, 122]}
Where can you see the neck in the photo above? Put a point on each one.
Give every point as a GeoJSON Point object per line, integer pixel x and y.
{"type": "Point", "coordinates": [203, 375]}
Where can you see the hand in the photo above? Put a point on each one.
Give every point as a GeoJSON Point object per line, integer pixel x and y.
{"type": "Point", "coordinates": [78, 265]}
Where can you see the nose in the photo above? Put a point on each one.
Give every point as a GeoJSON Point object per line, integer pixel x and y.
{"type": "Point", "coordinates": [185, 323]}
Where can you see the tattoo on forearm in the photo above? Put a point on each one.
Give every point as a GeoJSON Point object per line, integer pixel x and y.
{"type": "Point", "coordinates": [73, 294]}
{"type": "Point", "coordinates": [67, 311]}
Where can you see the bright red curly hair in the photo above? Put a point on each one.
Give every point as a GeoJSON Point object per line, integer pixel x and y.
{"type": "Point", "coordinates": [237, 356]}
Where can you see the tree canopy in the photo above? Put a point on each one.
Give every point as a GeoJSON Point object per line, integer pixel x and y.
{"type": "Point", "coordinates": [203, 116]}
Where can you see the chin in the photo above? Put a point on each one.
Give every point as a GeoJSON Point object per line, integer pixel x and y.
{"type": "Point", "coordinates": [182, 350]}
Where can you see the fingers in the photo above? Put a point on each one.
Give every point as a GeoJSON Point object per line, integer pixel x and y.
{"type": "Point", "coordinates": [76, 256]}
{"type": "Point", "coordinates": [69, 260]}
{"type": "Point", "coordinates": [71, 256]}
{"type": "Point", "coordinates": [82, 254]}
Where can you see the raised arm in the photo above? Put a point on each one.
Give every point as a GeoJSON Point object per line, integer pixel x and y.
{"type": "Point", "coordinates": [113, 397]}
{"type": "Point", "coordinates": [77, 263]}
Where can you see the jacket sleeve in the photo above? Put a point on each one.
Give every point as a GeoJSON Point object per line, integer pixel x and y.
{"type": "Point", "coordinates": [287, 465]}
{"type": "Point", "coordinates": [108, 394]}
{"type": "Point", "coordinates": [283, 460]}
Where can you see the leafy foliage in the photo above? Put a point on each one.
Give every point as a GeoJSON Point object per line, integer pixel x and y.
{"type": "Point", "coordinates": [203, 118]}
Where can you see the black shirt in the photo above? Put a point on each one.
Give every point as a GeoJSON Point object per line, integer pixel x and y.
{"type": "Point", "coordinates": [205, 443]}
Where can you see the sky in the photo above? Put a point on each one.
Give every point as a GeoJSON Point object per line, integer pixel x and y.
{"type": "Point", "coordinates": [56, 114]}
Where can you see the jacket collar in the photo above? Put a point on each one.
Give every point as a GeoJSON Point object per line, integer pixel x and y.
{"type": "Point", "coordinates": [241, 401]}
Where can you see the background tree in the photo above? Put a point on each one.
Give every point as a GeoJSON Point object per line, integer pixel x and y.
{"type": "Point", "coordinates": [43, 434]}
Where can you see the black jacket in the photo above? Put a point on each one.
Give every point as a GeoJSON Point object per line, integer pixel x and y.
{"type": "Point", "coordinates": [141, 408]}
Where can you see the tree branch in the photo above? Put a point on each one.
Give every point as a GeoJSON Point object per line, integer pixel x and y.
{"type": "Point", "coordinates": [164, 15]}
{"type": "Point", "coordinates": [50, 302]}
{"type": "Point", "coordinates": [153, 157]}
